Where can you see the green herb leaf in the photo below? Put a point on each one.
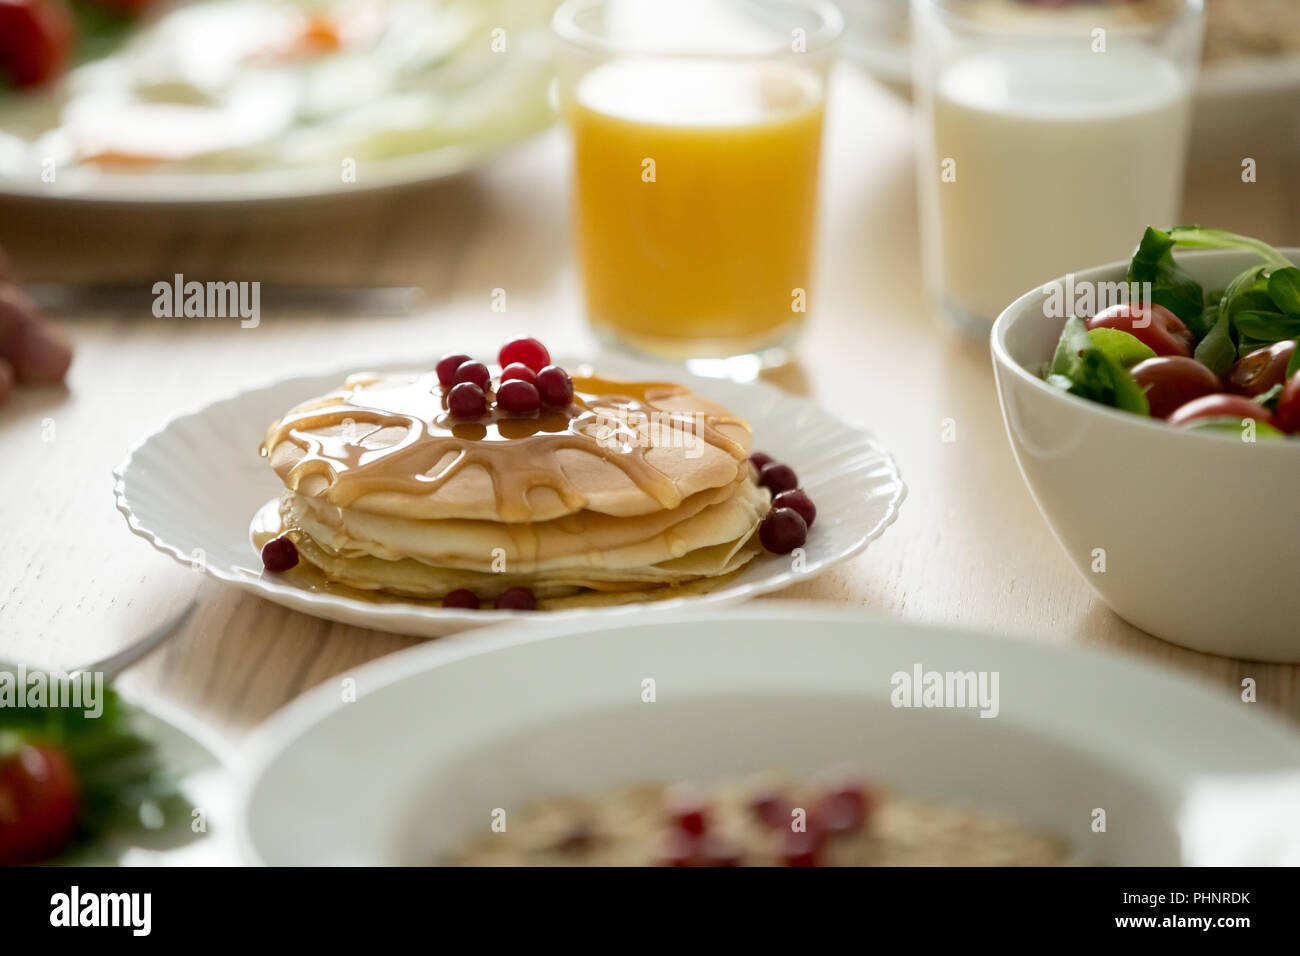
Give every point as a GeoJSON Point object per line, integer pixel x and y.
{"type": "Point", "coordinates": [1124, 347]}
{"type": "Point", "coordinates": [1267, 327]}
{"type": "Point", "coordinates": [1217, 351]}
{"type": "Point", "coordinates": [1284, 289]}
{"type": "Point", "coordinates": [1293, 366]}
{"type": "Point", "coordinates": [1202, 238]}
{"type": "Point", "coordinates": [1083, 368]}
{"type": "Point", "coordinates": [1202, 323]}
{"type": "Point", "coordinates": [1171, 286]}
{"type": "Point", "coordinates": [1074, 342]}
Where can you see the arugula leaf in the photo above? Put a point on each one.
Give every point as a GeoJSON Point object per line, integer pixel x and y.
{"type": "Point", "coordinates": [1293, 366]}
{"type": "Point", "coordinates": [1171, 285]}
{"type": "Point", "coordinates": [1074, 342]}
{"type": "Point", "coordinates": [1217, 351]}
{"type": "Point", "coordinates": [1198, 237]}
{"type": "Point", "coordinates": [1267, 327]}
{"type": "Point", "coordinates": [1104, 380]}
{"type": "Point", "coordinates": [1124, 347]}
{"type": "Point", "coordinates": [1284, 289]}
{"type": "Point", "coordinates": [1082, 368]}
{"type": "Point", "coordinates": [1202, 323]}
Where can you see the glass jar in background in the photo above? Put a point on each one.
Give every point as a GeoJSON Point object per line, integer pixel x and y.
{"type": "Point", "coordinates": [696, 130]}
{"type": "Point", "coordinates": [1051, 136]}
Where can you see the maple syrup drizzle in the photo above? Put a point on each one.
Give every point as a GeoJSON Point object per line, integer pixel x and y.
{"type": "Point", "coordinates": [397, 436]}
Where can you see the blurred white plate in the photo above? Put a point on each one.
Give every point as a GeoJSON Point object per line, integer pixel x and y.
{"type": "Point", "coordinates": [443, 734]}
{"type": "Point", "coordinates": [192, 488]}
{"type": "Point", "coordinates": [272, 185]}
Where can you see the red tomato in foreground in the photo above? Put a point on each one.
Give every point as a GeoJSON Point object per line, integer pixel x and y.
{"type": "Point", "coordinates": [40, 804]}
{"type": "Point", "coordinates": [1156, 327]}
{"type": "Point", "coordinates": [35, 40]}
{"type": "Point", "coordinates": [1259, 371]}
{"type": "Point", "coordinates": [1222, 405]}
{"type": "Point", "coordinates": [1288, 407]}
{"type": "Point", "coordinates": [1171, 381]}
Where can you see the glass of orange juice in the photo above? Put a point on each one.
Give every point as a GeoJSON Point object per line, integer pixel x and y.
{"type": "Point", "coordinates": [696, 130]}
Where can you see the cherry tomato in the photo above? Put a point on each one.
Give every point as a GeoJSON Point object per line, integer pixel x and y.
{"type": "Point", "coordinates": [1259, 371]}
{"type": "Point", "coordinates": [35, 39]}
{"type": "Point", "coordinates": [1157, 327]}
{"type": "Point", "coordinates": [40, 804]}
{"type": "Point", "coordinates": [1288, 406]}
{"type": "Point", "coordinates": [1222, 405]}
{"type": "Point", "coordinates": [1171, 381]}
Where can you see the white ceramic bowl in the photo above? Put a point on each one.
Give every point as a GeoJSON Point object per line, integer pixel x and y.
{"type": "Point", "coordinates": [441, 735]}
{"type": "Point", "coordinates": [1200, 532]}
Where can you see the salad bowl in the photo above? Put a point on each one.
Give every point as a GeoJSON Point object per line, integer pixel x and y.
{"type": "Point", "coordinates": [1190, 535]}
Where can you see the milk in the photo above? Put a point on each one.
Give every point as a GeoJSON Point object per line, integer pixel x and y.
{"type": "Point", "coordinates": [1058, 159]}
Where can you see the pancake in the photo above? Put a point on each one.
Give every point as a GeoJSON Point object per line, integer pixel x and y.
{"type": "Point", "coordinates": [636, 491]}
{"type": "Point", "coordinates": [386, 445]}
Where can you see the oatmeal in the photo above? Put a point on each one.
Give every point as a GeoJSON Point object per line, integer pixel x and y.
{"type": "Point", "coordinates": [759, 823]}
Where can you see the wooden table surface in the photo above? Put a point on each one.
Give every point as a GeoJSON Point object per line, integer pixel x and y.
{"type": "Point", "coordinates": [969, 548]}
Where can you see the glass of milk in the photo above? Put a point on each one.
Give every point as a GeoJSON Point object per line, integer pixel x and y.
{"type": "Point", "coordinates": [1051, 136]}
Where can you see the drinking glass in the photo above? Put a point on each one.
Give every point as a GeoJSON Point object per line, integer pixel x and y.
{"type": "Point", "coordinates": [1051, 136]}
{"type": "Point", "coordinates": [696, 134]}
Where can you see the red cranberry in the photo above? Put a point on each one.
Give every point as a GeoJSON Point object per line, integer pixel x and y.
{"type": "Point", "coordinates": [761, 458]}
{"type": "Point", "coordinates": [772, 810]}
{"type": "Point", "coordinates": [466, 400]}
{"type": "Point", "coordinates": [461, 597]}
{"type": "Point", "coordinates": [783, 530]}
{"type": "Point", "coordinates": [519, 397]}
{"type": "Point", "coordinates": [279, 554]}
{"type": "Point", "coordinates": [802, 848]}
{"type": "Point", "coordinates": [689, 817]}
{"type": "Point", "coordinates": [475, 372]}
{"type": "Point", "coordinates": [520, 371]}
{"type": "Point", "coordinates": [516, 599]}
{"type": "Point", "coordinates": [555, 387]}
{"type": "Point", "coordinates": [843, 810]}
{"type": "Point", "coordinates": [799, 501]}
{"type": "Point", "coordinates": [776, 477]}
{"type": "Point", "coordinates": [528, 352]}
{"type": "Point", "coordinates": [447, 366]}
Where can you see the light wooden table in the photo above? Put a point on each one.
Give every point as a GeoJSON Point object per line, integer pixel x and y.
{"type": "Point", "coordinates": [969, 549]}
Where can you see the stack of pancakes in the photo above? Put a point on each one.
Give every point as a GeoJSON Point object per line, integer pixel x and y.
{"type": "Point", "coordinates": [633, 492]}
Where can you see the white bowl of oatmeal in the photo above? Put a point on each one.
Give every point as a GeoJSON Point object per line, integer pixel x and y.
{"type": "Point", "coordinates": [1000, 746]}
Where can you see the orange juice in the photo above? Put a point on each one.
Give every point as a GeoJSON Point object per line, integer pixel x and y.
{"type": "Point", "coordinates": [695, 187]}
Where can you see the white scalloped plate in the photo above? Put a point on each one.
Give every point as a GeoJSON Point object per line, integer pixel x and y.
{"type": "Point", "coordinates": [192, 487]}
